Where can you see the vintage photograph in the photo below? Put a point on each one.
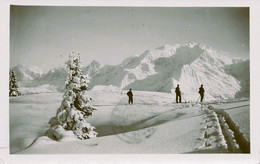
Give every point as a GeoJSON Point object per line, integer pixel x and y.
{"type": "Point", "coordinates": [129, 80]}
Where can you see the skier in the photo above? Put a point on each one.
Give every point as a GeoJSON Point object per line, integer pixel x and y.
{"type": "Point", "coordinates": [130, 96]}
{"type": "Point", "coordinates": [201, 92]}
{"type": "Point", "coordinates": [178, 94]}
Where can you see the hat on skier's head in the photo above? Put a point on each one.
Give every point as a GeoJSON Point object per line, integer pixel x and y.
{"type": "Point", "coordinates": [202, 85]}
{"type": "Point", "coordinates": [177, 84]}
{"type": "Point", "coordinates": [130, 89]}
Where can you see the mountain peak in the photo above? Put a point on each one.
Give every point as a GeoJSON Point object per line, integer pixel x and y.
{"type": "Point", "coordinates": [35, 69]}
{"type": "Point", "coordinates": [168, 47]}
{"type": "Point", "coordinates": [95, 63]}
{"type": "Point", "coordinates": [190, 44]}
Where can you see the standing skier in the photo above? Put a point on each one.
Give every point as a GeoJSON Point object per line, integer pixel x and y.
{"type": "Point", "coordinates": [178, 94]}
{"type": "Point", "coordinates": [130, 96]}
{"type": "Point", "coordinates": [201, 92]}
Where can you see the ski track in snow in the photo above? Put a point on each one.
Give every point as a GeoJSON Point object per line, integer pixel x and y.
{"type": "Point", "coordinates": [219, 135]}
{"type": "Point", "coordinates": [212, 138]}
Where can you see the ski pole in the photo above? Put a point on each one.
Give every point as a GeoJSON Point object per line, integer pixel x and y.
{"type": "Point", "coordinates": [198, 99]}
{"type": "Point", "coordinates": [184, 98]}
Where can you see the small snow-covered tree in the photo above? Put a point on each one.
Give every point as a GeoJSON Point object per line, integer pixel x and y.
{"type": "Point", "coordinates": [13, 87]}
{"type": "Point", "coordinates": [72, 113]}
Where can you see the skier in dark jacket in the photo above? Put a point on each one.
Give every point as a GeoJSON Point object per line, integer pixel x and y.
{"type": "Point", "coordinates": [178, 94]}
{"type": "Point", "coordinates": [130, 96]}
{"type": "Point", "coordinates": [201, 92]}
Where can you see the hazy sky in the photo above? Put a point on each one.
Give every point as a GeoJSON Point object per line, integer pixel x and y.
{"type": "Point", "coordinates": [44, 36]}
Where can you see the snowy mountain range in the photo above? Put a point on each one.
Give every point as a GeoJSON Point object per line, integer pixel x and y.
{"type": "Point", "coordinates": [26, 75]}
{"type": "Point", "coordinates": [188, 65]}
{"type": "Point", "coordinates": [161, 69]}
{"type": "Point", "coordinates": [55, 77]}
{"type": "Point", "coordinates": [32, 76]}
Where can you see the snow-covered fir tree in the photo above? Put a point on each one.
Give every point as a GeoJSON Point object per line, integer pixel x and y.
{"type": "Point", "coordinates": [72, 113]}
{"type": "Point", "coordinates": [13, 87]}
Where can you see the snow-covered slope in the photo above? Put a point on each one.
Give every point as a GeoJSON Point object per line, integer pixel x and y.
{"type": "Point", "coordinates": [189, 65]}
{"type": "Point", "coordinates": [152, 125]}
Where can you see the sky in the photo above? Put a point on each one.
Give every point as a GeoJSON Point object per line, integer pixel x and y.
{"type": "Point", "coordinates": [45, 35]}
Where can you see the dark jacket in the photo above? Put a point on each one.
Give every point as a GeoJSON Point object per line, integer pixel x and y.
{"type": "Point", "coordinates": [129, 94]}
{"type": "Point", "coordinates": [201, 90]}
{"type": "Point", "coordinates": [177, 90]}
